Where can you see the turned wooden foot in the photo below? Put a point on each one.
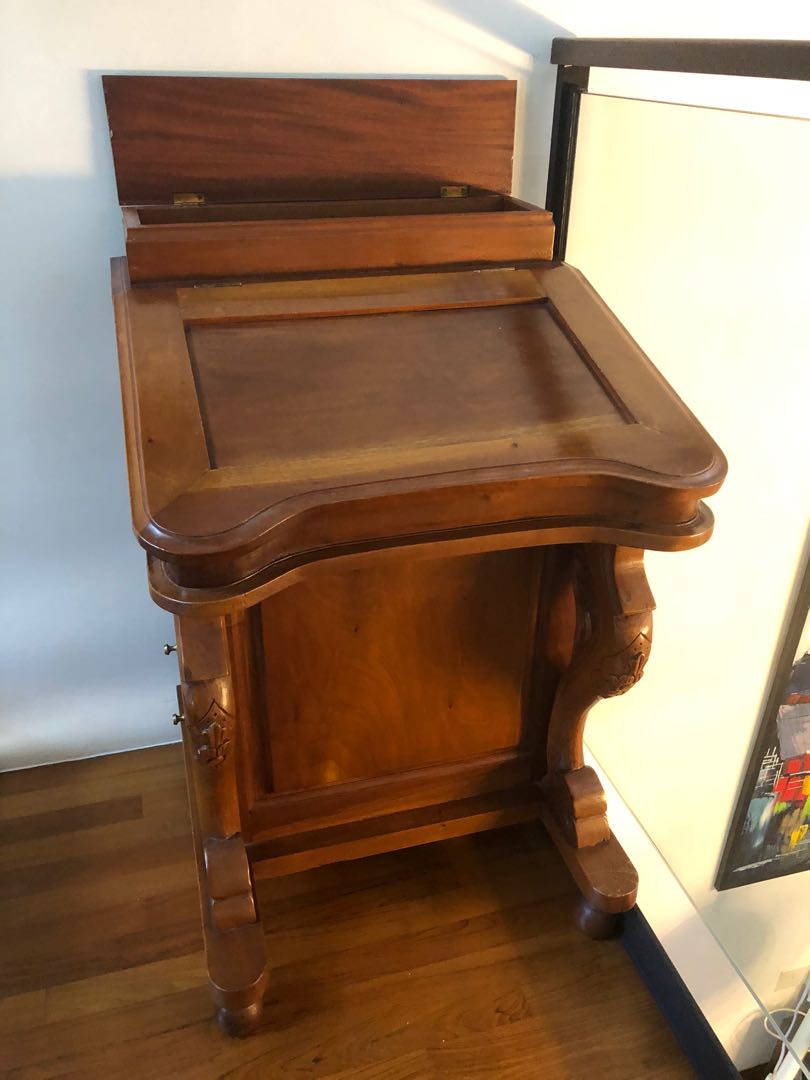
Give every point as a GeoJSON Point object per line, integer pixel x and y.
{"type": "Point", "coordinates": [595, 923]}
{"type": "Point", "coordinates": [237, 977]}
{"type": "Point", "coordinates": [239, 1023]}
{"type": "Point", "coordinates": [603, 874]}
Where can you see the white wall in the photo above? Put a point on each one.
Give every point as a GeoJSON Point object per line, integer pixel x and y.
{"type": "Point", "coordinates": [82, 669]}
{"type": "Point", "coordinates": [693, 225]}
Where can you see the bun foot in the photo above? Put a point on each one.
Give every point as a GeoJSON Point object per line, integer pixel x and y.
{"type": "Point", "coordinates": [595, 923]}
{"type": "Point", "coordinates": [239, 1023]}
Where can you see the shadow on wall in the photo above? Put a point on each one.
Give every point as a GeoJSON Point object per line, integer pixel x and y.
{"type": "Point", "coordinates": [74, 656]}
{"type": "Point", "coordinates": [748, 938]}
{"type": "Point", "coordinates": [507, 21]}
{"type": "Point", "coordinates": [736, 916]}
{"type": "Point", "coordinates": [517, 25]}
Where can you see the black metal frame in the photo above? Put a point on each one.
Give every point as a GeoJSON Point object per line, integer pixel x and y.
{"type": "Point", "coordinates": [575, 57]}
{"type": "Point", "coordinates": [572, 82]}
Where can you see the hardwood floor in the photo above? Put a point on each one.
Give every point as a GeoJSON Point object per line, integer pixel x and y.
{"type": "Point", "coordinates": [456, 960]}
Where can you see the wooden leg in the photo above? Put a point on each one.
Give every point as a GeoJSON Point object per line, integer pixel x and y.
{"type": "Point", "coordinates": [234, 941]}
{"type": "Point", "coordinates": [239, 1023]}
{"type": "Point", "coordinates": [234, 937]}
{"type": "Point", "coordinates": [612, 642]}
{"type": "Point", "coordinates": [595, 923]}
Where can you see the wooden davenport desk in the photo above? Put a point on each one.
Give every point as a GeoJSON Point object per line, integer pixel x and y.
{"type": "Point", "coordinates": [394, 471]}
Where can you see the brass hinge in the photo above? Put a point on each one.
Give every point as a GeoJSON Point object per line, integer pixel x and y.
{"type": "Point", "coordinates": [188, 198]}
{"type": "Point", "coordinates": [454, 191]}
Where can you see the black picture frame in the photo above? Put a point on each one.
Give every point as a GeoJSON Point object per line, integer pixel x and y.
{"type": "Point", "coordinates": [751, 853]}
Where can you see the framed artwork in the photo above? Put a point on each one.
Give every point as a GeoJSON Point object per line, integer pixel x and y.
{"type": "Point", "coordinates": [770, 829]}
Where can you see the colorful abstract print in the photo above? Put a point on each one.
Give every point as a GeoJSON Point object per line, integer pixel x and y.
{"type": "Point", "coordinates": [775, 837]}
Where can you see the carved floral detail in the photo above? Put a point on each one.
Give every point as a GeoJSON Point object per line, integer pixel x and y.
{"type": "Point", "coordinates": [624, 669]}
{"type": "Point", "coordinates": [211, 735]}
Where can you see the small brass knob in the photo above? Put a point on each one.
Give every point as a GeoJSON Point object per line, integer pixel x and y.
{"type": "Point", "coordinates": [169, 649]}
{"type": "Point", "coordinates": [177, 718]}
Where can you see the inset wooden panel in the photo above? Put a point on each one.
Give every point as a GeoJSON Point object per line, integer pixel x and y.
{"type": "Point", "coordinates": [336, 387]}
{"type": "Point", "coordinates": [392, 667]}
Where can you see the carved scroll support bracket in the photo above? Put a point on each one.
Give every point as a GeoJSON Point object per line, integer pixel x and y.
{"type": "Point", "coordinates": [612, 643]}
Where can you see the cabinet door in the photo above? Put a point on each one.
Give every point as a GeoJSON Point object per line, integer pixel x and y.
{"type": "Point", "coordinates": [397, 666]}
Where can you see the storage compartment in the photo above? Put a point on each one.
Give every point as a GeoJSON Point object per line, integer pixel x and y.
{"type": "Point", "coordinates": [236, 179]}
{"type": "Point", "coordinates": [249, 240]}
{"type": "Point", "coordinates": [194, 213]}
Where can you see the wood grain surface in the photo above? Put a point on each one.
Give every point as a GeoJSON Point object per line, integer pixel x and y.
{"type": "Point", "coordinates": [183, 249]}
{"type": "Point", "coordinates": [441, 660]}
{"type": "Point", "coordinates": [238, 139]}
{"type": "Point", "coordinates": [271, 424]}
{"type": "Point", "coordinates": [274, 393]}
{"type": "Point", "coordinates": [456, 960]}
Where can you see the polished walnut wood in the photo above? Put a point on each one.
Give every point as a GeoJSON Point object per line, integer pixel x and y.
{"type": "Point", "coordinates": [449, 645]}
{"type": "Point", "coordinates": [234, 943]}
{"type": "Point", "coordinates": [447, 960]}
{"type": "Point", "coordinates": [245, 140]}
{"type": "Point", "coordinates": [350, 166]}
{"type": "Point", "coordinates": [612, 641]}
{"type": "Point", "coordinates": [397, 507]}
{"type": "Point", "coordinates": [264, 240]}
{"type": "Point", "coordinates": [509, 401]}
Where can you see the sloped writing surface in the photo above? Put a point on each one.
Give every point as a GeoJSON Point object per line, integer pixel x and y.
{"type": "Point", "coordinates": [274, 423]}
{"type": "Point", "coordinates": [335, 389]}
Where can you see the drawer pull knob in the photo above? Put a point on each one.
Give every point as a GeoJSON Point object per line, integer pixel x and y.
{"type": "Point", "coordinates": [169, 649]}
{"type": "Point", "coordinates": [177, 718]}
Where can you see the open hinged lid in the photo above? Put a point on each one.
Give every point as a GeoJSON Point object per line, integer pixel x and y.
{"type": "Point", "coordinates": [243, 178]}
{"type": "Point", "coordinates": [245, 139]}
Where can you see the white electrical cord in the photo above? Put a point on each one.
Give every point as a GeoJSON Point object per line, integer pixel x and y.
{"type": "Point", "coordinates": [786, 1067]}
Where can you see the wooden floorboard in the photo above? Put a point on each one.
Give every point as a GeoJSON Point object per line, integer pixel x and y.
{"type": "Point", "coordinates": [457, 960]}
